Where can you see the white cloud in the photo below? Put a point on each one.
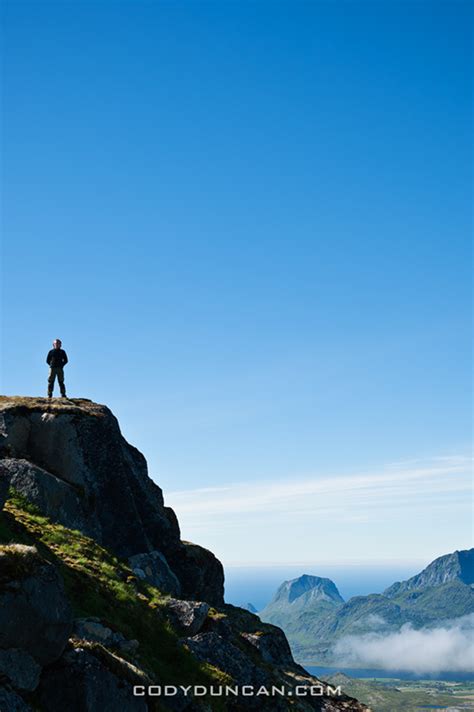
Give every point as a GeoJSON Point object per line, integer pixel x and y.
{"type": "Point", "coordinates": [449, 647]}
{"type": "Point", "coordinates": [349, 497]}
{"type": "Point", "coordinates": [375, 515]}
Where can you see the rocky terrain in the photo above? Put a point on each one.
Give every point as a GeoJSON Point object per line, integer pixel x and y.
{"type": "Point", "coordinates": [98, 593]}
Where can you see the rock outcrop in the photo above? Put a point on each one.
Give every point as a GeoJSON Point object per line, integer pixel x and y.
{"type": "Point", "coordinates": [81, 682]}
{"type": "Point", "coordinates": [71, 460]}
{"type": "Point", "coordinates": [35, 615]}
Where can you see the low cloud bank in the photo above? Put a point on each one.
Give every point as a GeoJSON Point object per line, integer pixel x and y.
{"type": "Point", "coordinates": [448, 647]}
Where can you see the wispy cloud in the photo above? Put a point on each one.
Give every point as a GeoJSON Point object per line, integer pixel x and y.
{"type": "Point", "coordinates": [354, 498]}
{"type": "Point", "coordinates": [448, 647]}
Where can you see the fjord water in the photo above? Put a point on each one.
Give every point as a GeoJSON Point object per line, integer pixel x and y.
{"type": "Point", "coordinates": [370, 673]}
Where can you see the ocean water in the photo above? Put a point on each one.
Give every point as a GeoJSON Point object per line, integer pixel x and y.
{"type": "Point", "coordinates": [257, 585]}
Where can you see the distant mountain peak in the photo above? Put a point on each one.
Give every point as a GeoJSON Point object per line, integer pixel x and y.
{"type": "Point", "coordinates": [457, 566]}
{"type": "Point", "coordinates": [311, 587]}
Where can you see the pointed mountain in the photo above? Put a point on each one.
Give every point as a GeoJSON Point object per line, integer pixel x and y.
{"type": "Point", "coordinates": [458, 566]}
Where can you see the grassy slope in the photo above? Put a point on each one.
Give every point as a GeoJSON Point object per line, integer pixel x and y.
{"type": "Point", "coordinates": [99, 584]}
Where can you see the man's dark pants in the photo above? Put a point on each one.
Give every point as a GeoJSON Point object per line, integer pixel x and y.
{"type": "Point", "coordinates": [56, 371]}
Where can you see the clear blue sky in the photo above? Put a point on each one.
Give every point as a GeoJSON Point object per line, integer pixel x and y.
{"type": "Point", "coordinates": [249, 223]}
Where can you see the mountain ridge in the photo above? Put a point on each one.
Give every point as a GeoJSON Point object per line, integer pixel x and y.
{"type": "Point", "coordinates": [442, 591]}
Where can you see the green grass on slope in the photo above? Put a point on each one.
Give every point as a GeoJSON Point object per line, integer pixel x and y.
{"type": "Point", "coordinates": [99, 584]}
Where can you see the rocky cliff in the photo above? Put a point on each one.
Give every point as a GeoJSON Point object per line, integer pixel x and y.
{"type": "Point", "coordinates": [99, 594]}
{"type": "Point", "coordinates": [71, 460]}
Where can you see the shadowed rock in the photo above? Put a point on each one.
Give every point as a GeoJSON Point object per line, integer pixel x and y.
{"type": "Point", "coordinates": [273, 647]}
{"type": "Point", "coordinates": [154, 568]}
{"type": "Point", "coordinates": [80, 682]}
{"type": "Point", "coordinates": [35, 614]}
{"type": "Point", "coordinates": [11, 702]}
{"type": "Point", "coordinates": [20, 668]}
{"type": "Point", "coordinates": [57, 499]}
{"type": "Point", "coordinates": [211, 648]}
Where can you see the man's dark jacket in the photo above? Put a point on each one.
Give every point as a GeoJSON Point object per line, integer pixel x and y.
{"type": "Point", "coordinates": [56, 357]}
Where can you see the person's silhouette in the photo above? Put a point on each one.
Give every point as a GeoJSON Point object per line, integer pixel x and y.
{"type": "Point", "coordinates": [56, 360]}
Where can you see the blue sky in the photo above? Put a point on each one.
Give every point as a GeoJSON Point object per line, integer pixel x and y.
{"type": "Point", "coordinates": [249, 223]}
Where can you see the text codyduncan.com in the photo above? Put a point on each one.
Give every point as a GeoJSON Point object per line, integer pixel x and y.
{"type": "Point", "coordinates": [236, 690]}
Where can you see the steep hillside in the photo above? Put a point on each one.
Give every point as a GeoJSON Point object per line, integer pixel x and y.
{"type": "Point", "coordinates": [86, 617]}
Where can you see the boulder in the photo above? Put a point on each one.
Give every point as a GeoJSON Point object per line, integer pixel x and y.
{"type": "Point", "coordinates": [154, 568]}
{"type": "Point", "coordinates": [11, 702]}
{"type": "Point", "coordinates": [273, 647]}
{"type": "Point", "coordinates": [20, 668]}
{"type": "Point", "coordinates": [187, 616]}
{"type": "Point", "coordinates": [57, 499]}
{"type": "Point", "coordinates": [35, 614]}
{"type": "Point", "coordinates": [200, 573]}
{"type": "Point", "coordinates": [81, 682]}
{"type": "Point", "coordinates": [223, 654]}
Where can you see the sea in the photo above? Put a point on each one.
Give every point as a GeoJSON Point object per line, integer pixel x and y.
{"type": "Point", "coordinates": [258, 584]}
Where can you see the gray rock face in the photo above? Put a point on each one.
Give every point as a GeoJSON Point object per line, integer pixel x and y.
{"type": "Point", "coordinates": [154, 568]}
{"type": "Point", "coordinates": [73, 454]}
{"type": "Point", "coordinates": [80, 682]}
{"type": "Point", "coordinates": [187, 616]}
{"type": "Point", "coordinates": [20, 668]}
{"type": "Point", "coordinates": [11, 702]}
{"type": "Point", "coordinates": [211, 648]}
{"type": "Point", "coordinates": [56, 498]}
{"type": "Point", "coordinates": [273, 647]}
{"type": "Point", "coordinates": [35, 614]}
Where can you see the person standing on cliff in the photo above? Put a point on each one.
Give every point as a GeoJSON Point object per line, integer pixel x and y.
{"type": "Point", "coordinates": [56, 360]}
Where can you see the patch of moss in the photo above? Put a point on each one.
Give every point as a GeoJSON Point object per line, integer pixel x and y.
{"type": "Point", "coordinates": [25, 404]}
